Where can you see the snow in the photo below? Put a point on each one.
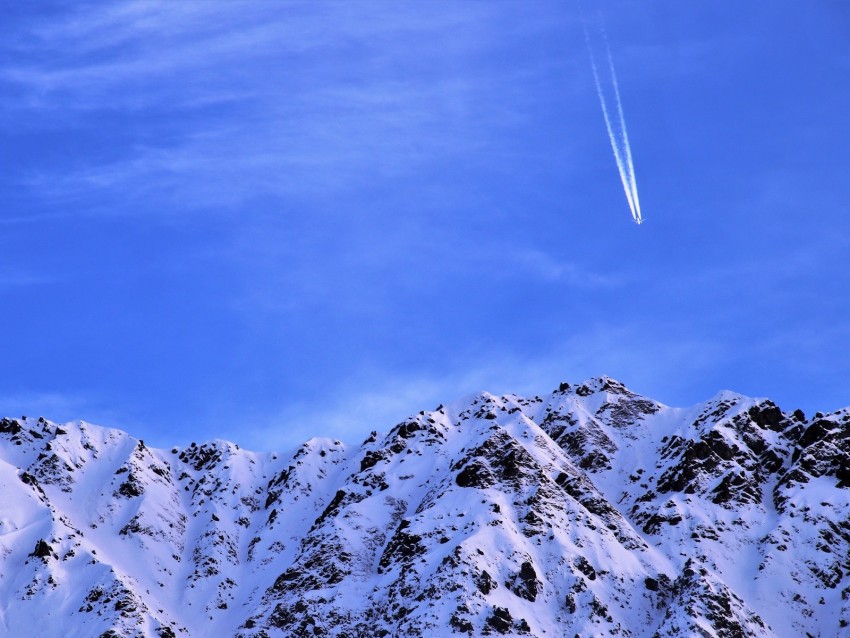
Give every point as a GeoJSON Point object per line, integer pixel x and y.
{"type": "Point", "coordinates": [592, 511]}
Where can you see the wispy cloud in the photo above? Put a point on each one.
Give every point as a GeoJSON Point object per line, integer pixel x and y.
{"type": "Point", "coordinates": [536, 262]}
{"type": "Point", "coordinates": [375, 400]}
{"type": "Point", "coordinates": [310, 146]}
{"type": "Point", "coordinates": [51, 405]}
{"type": "Point", "coordinates": [244, 100]}
{"type": "Point", "coordinates": [16, 278]}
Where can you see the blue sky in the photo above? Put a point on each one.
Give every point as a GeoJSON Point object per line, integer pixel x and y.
{"type": "Point", "coordinates": [265, 221]}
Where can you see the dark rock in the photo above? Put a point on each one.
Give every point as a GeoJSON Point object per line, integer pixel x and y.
{"type": "Point", "coordinates": [815, 432]}
{"type": "Point", "coordinates": [486, 583]}
{"type": "Point", "coordinates": [767, 415]}
{"type": "Point", "coordinates": [42, 549]}
{"type": "Point", "coordinates": [402, 548]}
{"type": "Point", "coordinates": [461, 624]}
{"type": "Point", "coordinates": [525, 584]}
{"type": "Point", "coordinates": [585, 567]}
{"type": "Point", "coordinates": [407, 430]}
{"type": "Point", "coordinates": [29, 479]}
{"type": "Point", "coordinates": [370, 460]}
{"type": "Point", "coordinates": [9, 426]}
{"type": "Point", "coordinates": [131, 487]}
{"type": "Point", "coordinates": [475, 474]}
{"type": "Point", "coordinates": [331, 509]}
{"type": "Point", "coordinates": [500, 620]}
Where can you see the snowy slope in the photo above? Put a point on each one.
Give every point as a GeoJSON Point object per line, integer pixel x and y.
{"type": "Point", "coordinates": [589, 512]}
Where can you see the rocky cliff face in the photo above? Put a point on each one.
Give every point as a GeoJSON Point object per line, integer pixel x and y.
{"type": "Point", "coordinates": [589, 512]}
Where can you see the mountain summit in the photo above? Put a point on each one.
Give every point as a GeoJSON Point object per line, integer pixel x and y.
{"type": "Point", "coordinates": [589, 512]}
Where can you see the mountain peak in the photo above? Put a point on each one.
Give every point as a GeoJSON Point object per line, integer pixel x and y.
{"type": "Point", "coordinates": [595, 384]}
{"type": "Point", "coordinates": [593, 511]}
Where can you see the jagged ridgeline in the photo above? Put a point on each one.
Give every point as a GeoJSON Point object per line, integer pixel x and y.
{"type": "Point", "coordinates": [592, 511]}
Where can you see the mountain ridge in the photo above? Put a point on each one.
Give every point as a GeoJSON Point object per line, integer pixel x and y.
{"type": "Point", "coordinates": [592, 511]}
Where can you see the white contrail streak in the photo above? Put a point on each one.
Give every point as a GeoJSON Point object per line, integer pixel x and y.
{"type": "Point", "coordinates": [625, 136]}
{"type": "Point", "coordinates": [619, 137]}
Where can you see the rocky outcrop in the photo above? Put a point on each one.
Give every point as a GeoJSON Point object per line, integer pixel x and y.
{"type": "Point", "coordinates": [592, 511]}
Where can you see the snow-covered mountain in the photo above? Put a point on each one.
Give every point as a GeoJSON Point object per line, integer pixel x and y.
{"type": "Point", "coordinates": [589, 512]}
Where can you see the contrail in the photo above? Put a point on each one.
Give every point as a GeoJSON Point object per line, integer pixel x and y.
{"type": "Point", "coordinates": [625, 136]}
{"type": "Point", "coordinates": [619, 138]}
